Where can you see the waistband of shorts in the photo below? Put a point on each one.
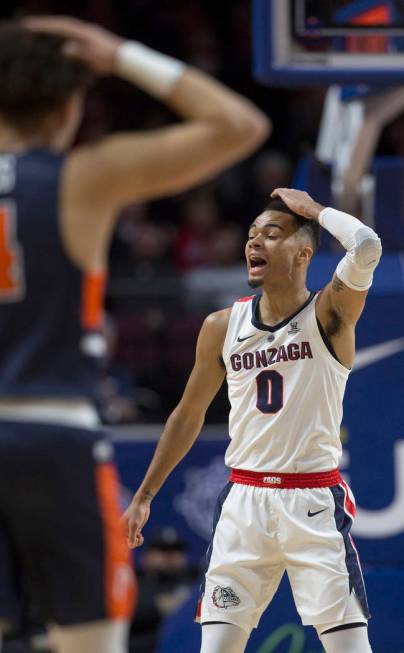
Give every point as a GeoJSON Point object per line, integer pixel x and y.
{"type": "Point", "coordinates": [288, 481]}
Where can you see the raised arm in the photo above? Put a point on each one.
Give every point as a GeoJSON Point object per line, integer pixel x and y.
{"type": "Point", "coordinates": [342, 301]}
{"type": "Point", "coordinates": [185, 422]}
{"type": "Point", "coordinates": [219, 127]}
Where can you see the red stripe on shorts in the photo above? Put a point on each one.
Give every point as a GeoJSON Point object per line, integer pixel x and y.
{"type": "Point", "coordinates": [198, 612]}
{"type": "Point", "coordinates": [349, 505]}
{"type": "Point", "coordinates": [288, 481]}
{"type": "Point", "coordinates": [120, 584]}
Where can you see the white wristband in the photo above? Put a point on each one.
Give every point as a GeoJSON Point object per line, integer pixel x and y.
{"type": "Point", "coordinates": [153, 72]}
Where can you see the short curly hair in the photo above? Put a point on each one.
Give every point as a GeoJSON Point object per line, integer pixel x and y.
{"type": "Point", "coordinates": [36, 77]}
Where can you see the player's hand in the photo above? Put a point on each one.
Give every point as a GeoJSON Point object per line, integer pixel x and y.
{"type": "Point", "coordinates": [300, 202]}
{"type": "Point", "coordinates": [135, 518]}
{"type": "Point", "coordinates": [91, 44]}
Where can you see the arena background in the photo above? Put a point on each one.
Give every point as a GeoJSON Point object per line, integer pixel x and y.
{"type": "Point", "coordinates": [173, 261]}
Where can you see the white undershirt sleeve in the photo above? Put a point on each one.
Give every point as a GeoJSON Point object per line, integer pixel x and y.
{"type": "Point", "coordinates": [363, 247]}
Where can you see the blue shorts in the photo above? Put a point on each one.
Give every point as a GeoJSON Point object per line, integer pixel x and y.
{"type": "Point", "coordinates": [62, 546]}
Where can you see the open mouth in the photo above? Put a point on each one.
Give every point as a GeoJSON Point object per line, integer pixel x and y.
{"type": "Point", "coordinates": [257, 264]}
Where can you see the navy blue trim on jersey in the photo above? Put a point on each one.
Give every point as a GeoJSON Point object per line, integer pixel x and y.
{"type": "Point", "coordinates": [344, 522]}
{"type": "Point", "coordinates": [218, 511]}
{"type": "Point", "coordinates": [255, 320]}
{"type": "Point", "coordinates": [211, 623]}
{"type": "Point", "coordinates": [327, 341]}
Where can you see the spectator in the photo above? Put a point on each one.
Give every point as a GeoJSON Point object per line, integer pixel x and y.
{"type": "Point", "coordinates": [194, 237]}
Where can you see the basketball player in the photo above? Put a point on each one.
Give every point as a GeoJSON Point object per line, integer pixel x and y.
{"type": "Point", "coordinates": [286, 354]}
{"type": "Point", "coordinates": [62, 547]}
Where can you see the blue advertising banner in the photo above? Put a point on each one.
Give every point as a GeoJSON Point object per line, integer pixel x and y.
{"type": "Point", "coordinates": [374, 431]}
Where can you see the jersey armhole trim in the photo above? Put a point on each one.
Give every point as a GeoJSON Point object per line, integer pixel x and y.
{"type": "Point", "coordinates": [327, 342]}
{"type": "Point", "coordinates": [226, 342]}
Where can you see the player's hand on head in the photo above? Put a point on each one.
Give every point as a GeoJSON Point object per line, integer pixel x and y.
{"type": "Point", "coordinates": [299, 201]}
{"type": "Point", "coordinates": [92, 44]}
{"type": "Point", "coordinates": [134, 519]}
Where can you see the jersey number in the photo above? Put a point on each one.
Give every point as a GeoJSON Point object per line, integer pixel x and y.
{"type": "Point", "coordinates": [11, 256]}
{"type": "Point", "coordinates": [269, 391]}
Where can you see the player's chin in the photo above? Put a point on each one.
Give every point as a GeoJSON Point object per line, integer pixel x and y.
{"type": "Point", "coordinates": [255, 282]}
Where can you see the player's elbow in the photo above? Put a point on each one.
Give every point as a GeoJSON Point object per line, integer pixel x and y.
{"type": "Point", "coordinates": [248, 127]}
{"type": "Point", "coordinates": [256, 126]}
{"type": "Point", "coordinates": [368, 249]}
{"type": "Point", "coordinates": [378, 248]}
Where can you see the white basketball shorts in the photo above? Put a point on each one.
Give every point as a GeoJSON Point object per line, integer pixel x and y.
{"type": "Point", "coordinates": [268, 523]}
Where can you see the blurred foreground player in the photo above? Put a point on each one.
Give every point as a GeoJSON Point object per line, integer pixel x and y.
{"type": "Point", "coordinates": [286, 355]}
{"type": "Point", "coordinates": [62, 547]}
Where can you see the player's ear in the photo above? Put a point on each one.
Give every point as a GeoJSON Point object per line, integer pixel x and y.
{"type": "Point", "coordinates": [305, 254]}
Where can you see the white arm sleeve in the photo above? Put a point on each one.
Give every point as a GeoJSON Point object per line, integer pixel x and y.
{"type": "Point", "coordinates": [363, 247]}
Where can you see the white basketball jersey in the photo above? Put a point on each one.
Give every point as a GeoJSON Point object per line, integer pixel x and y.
{"type": "Point", "coordinates": [285, 389]}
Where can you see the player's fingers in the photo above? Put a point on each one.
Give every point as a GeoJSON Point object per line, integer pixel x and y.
{"type": "Point", "coordinates": [61, 26]}
{"type": "Point", "coordinates": [139, 539]}
{"type": "Point", "coordinates": [132, 526]}
{"type": "Point", "coordinates": [135, 537]}
{"type": "Point", "coordinates": [79, 50]}
{"type": "Point", "coordinates": [277, 192]}
{"type": "Point", "coordinates": [72, 49]}
{"type": "Point", "coordinates": [131, 536]}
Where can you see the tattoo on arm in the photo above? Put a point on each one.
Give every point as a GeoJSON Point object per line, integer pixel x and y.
{"type": "Point", "coordinates": [147, 495]}
{"type": "Point", "coordinates": [337, 284]}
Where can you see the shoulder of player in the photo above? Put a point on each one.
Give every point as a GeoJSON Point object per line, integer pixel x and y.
{"type": "Point", "coordinates": [214, 328]}
{"type": "Point", "coordinates": [82, 173]}
{"type": "Point", "coordinates": [219, 320]}
{"type": "Point", "coordinates": [76, 185]}
{"type": "Point", "coordinates": [112, 172]}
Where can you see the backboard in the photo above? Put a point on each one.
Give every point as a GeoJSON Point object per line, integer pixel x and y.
{"type": "Point", "coordinates": [305, 42]}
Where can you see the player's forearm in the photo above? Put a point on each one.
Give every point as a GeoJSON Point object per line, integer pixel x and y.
{"type": "Point", "coordinates": [197, 96]}
{"type": "Point", "coordinates": [180, 432]}
{"type": "Point", "coordinates": [190, 93]}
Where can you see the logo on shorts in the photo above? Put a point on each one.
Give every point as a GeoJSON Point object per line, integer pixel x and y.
{"type": "Point", "coordinates": [224, 597]}
{"type": "Point", "coordinates": [274, 480]}
{"type": "Point", "coordinates": [311, 514]}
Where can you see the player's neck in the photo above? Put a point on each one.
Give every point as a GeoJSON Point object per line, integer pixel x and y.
{"type": "Point", "coordinates": [11, 140]}
{"type": "Point", "coordinates": [276, 306]}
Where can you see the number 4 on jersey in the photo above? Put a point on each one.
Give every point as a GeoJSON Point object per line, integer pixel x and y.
{"type": "Point", "coordinates": [12, 287]}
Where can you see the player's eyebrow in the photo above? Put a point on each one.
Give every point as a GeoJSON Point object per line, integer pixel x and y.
{"type": "Point", "coordinates": [268, 224]}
